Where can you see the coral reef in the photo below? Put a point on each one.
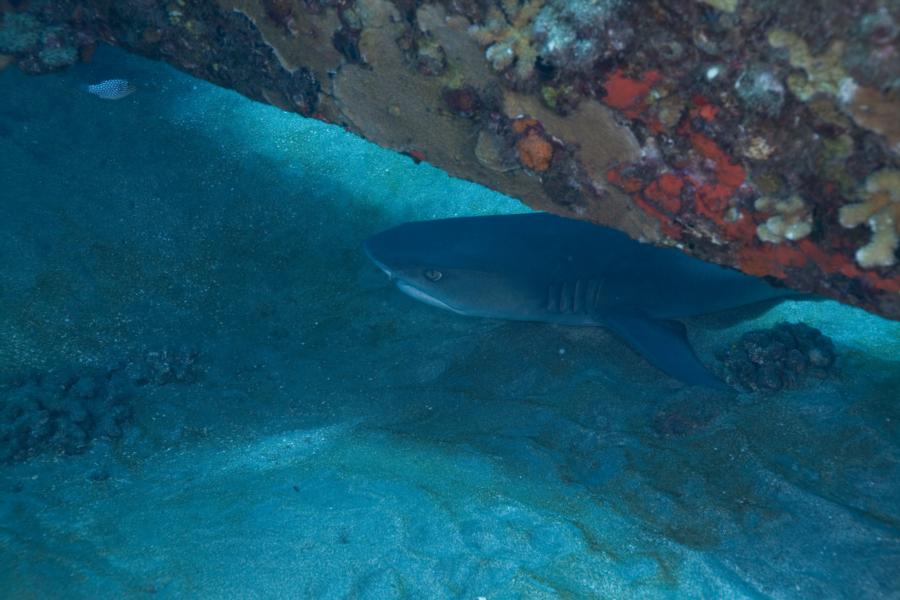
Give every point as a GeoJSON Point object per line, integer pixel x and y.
{"type": "Point", "coordinates": [534, 148]}
{"type": "Point", "coordinates": [821, 74]}
{"type": "Point", "coordinates": [56, 51]}
{"type": "Point", "coordinates": [792, 221]}
{"type": "Point", "coordinates": [880, 210]}
{"type": "Point", "coordinates": [19, 32]}
{"type": "Point", "coordinates": [64, 411]}
{"type": "Point", "coordinates": [757, 160]}
{"type": "Point", "coordinates": [40, 48]}
{"type": "Point", "coordinates": [735, 131]}
{"type": "Point", "coordinates": [768, 360]}
{"type": "Point", "coordinates": [760, 90]}
{"type": "Point", "coordinates": [505, 34]}
{"type": "Point", "coordinates": [574, 34]}
{"type": "Point", "coordinates": [559, 34]}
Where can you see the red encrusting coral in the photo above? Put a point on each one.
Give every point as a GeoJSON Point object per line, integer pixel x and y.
{"type": "Point", "coordinates": [629, 95]}
{"type": "Point", "coordinates": [704, 109]}
{"type": "Point", "coordinates": [758, 258]}
{"type": "Point", "coordinates": [665, 192]}
{"type": "Point", "coordinates": [673, 198]}
{"type": "Point", "coordinates": [660, 199]}
{"type": "Point", "coordinates": [627, 184]}
{"type": "Point", "coordinates": [713, 197]}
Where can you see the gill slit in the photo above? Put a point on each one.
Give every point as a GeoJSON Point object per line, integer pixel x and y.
{"type": "Point", "coordinates": [581, 296]}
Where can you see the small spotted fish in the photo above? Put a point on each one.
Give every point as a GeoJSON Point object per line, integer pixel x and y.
{"type": "Point", "coordinates": [111, 89]}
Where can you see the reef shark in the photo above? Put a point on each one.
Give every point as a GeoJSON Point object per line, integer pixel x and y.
{"type": "Point", "coordinates": [541, 267]}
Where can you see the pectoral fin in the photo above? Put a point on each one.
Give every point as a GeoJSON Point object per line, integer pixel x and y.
{"type": "Point", "coordinates": [665, 345]}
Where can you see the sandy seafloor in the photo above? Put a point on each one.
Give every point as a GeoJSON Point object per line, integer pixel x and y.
{"type": "Point", "coordinates": [336, 439]}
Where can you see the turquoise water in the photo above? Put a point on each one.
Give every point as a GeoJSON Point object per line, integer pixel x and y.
{"type": "Point", "coordinates": [291, 426]}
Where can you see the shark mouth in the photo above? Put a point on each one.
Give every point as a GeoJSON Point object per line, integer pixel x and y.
{"type": "Point", "coordinates": [381, 266]}
{"type": "Point", "coordinates": [418, 294]}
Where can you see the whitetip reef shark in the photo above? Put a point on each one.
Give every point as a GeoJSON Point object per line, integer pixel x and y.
{"type": "Point", "coordinates": [541, 267]}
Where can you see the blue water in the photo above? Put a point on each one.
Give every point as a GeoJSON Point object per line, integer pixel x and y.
{"type": "Point", "coordinates": [257, 413]}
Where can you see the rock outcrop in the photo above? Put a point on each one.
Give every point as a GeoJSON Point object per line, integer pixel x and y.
{"type": "Point", "coordinates": [760, 135]}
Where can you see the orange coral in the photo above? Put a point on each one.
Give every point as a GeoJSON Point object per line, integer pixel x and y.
{"type": "Point", "coordinates": [521, 125]}
{"type": "Point", "coordinates": [534, 149]}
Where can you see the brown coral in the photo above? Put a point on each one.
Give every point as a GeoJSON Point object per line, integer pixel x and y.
{"type": "Point", "coordinates": [279, 11]}
{"type": "Point", "coordinates": [506, 36]}
{"type": "Point", "coordinates": [792, 220]}
{"type": "Point", "coordinates": [880, 209]}
{"type": "Point", "coordinates": [877, 112]}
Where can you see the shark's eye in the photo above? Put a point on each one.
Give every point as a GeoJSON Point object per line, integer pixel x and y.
{"type": "Point", "coordinates": [433, 275]}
